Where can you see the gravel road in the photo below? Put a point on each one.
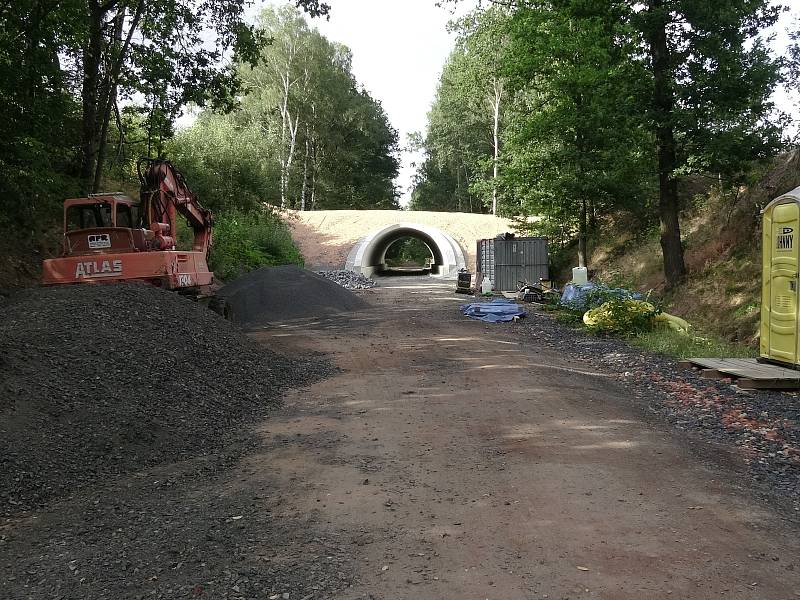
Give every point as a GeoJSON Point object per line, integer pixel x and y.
{"type": "Point", "coordinates": [445, 458]}
{"type": "Point", "coordinates": [759, 430]}
{"type": "Point", "coordinates": [472, 460]}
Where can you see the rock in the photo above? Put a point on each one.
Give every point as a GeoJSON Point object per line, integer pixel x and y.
{"type": "Point", "coordinates": [349, 279]}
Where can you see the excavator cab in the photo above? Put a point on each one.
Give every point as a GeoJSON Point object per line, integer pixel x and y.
{"type": "Point", "coordinates": [116, 210]}
{"type": "Point", "coordinates": [102, 223]}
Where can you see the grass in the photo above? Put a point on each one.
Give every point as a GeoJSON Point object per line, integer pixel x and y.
{"type": "Point", "coordinates": [662, 340]}
{"type": "Point", "coordinates": [671, 343]}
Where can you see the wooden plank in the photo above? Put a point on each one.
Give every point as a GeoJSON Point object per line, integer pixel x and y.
{"type": "Point", "coordinates": [747, 373]}
{"type": "Point", "coordinates": [712, 374]}
{"type": "Point", "coordinates": [752, 374]}
{"type": "Point", "coordinates": [768, 384]}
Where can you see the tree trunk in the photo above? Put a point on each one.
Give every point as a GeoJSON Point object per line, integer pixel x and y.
{"type": "Point", "coordinates": [109, 97]}
{"type": "Point", "coordinates": [284, 117]}
{"type": "Point", "coordinates": [663, 105]}
{"type": "Point", "coordinates": [290, 157]}
{"type": "Point", "coordinates": [458, 188]}
{"type": "Point", "coordinates": [305, 172]}
{"type": "Point", "coordinates": [583, 259]}
{"type": "Point", "coordinates": [498, 94]}
{"type": "Point", "coordinates": [313, 176]}
{"type": "Point", "coordinates": [92, 57]}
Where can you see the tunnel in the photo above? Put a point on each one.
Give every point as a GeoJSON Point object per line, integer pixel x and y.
{"type": "Point", "coordinates": [368, 256]}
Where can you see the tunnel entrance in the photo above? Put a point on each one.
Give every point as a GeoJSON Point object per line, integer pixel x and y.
{"type": "Point", "coordinates": [408, 256]}
{"type": "Point", "coordinates": [378, 252]}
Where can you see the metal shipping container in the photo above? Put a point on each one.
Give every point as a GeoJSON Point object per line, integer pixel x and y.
{"type": "Point", "coordinates": [506, 262]}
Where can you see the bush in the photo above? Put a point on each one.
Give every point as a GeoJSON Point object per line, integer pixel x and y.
{"type": "Point", "coordinates": [247, 241]}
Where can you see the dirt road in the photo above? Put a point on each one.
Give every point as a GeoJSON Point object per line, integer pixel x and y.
{"type": "Point", "coordinates": [447, 459]}
{"type": "Point", "coordinates": [460, 463]}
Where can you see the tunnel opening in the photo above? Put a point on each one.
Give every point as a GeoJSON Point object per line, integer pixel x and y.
{"type": "Point", "coordinates": [408, 256]}
{"type": "Point", "coordinates": [383, 251]}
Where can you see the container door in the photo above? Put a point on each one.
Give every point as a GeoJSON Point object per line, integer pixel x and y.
{"type": "Point", "coordinates": [783, 283]}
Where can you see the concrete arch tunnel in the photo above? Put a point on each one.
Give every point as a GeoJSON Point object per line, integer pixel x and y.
{"type": "Point", "coordinates": [368, 256]}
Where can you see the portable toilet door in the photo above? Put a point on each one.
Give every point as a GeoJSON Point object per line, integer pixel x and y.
{"type": "Point", "coordinates": [779, 281]}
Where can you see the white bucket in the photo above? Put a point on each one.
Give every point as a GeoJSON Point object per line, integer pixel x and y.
{"type": "Point", "coordinates": [580, 275]}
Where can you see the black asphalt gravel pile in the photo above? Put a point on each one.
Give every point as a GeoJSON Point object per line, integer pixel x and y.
{"type": "Point", "coordinates": [349, 279]}
{"type": "Point", "coordinates": [177, 531]}
{"type": "Point", "coordinates": [761, 427]}
{"type": "Point", "coordinates": [273, 294]}
{"type": "Point", "coordinates": [97, 381]}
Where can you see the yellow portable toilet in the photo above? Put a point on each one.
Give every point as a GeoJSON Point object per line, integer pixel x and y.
{"type": "Point", "coordinates": [779, 280]}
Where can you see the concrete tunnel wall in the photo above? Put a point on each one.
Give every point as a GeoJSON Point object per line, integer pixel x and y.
{"type": "Point", "coordinates": [369, 254]}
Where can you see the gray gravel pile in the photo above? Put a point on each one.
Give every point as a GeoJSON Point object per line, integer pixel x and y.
{"type": "Point", "coordinates": [764, 426]}
{"type": "Point", "coordinates": [97, 381]}
{"type": "Point", "coordinates": [349, 279]}
{"type": "Point", "coordinates": [273, 294]}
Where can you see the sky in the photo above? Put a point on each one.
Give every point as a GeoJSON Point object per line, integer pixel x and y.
{"type": "Point", "coordinates": [399, 48]}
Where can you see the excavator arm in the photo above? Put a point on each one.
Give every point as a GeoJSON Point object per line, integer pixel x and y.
{"type": "Point", "coordinates": [164, 194]}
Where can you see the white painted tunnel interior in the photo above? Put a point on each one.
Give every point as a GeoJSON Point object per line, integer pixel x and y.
{"type": "Point", "coordinates": [368, 256]}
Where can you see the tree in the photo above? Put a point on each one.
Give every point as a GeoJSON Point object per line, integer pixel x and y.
{"type": "Point", "coordinates": [40, 114]}
{"type": "Point", "coordinates": [484, 38]}
{"type": "Point", "coordinates": [463, 142]}
{"type": "Point", "coordinates": [308, 136]}
{"type": "Point", "coordinates": [160, 50]}
{"type": "Point", "coordinates": [708, 76]}
{"type": "Point", "coordinates": [711, 79]}
{"type": "Point", "coordinates": [458, 143]}
{"type": "Point", "coordinates": [574, 149]}
{"type": "Point", "coordinates": [792, 78]}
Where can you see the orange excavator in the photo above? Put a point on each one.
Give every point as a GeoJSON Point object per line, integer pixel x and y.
{"type": "Point", "coordinates": [112, 238]}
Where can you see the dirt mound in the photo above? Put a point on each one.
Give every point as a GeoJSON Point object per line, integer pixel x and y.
{"type": "Point", "coordinates": [273, 294]}
{"type": "Point", "coordinates": [104, 380]}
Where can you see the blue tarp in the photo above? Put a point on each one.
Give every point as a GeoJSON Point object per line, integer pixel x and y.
{"type": "Point", "coordinates": [590, 295]}
{"type": "Point", "coordinates": [496, 311]}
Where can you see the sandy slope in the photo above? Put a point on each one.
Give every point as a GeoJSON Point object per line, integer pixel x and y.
{"type": "Point", "coordinates": [326, 236]}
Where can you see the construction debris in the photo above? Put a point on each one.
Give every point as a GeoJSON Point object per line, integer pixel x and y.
{"type": "Point", "coordinates": [349, 279]}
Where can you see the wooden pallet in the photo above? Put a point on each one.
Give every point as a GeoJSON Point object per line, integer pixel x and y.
{"type": "Point", "coordinates": [747, 373]}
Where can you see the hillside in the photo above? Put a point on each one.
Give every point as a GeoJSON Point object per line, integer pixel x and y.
{"type": "Point", "coordinates": [722, 239]}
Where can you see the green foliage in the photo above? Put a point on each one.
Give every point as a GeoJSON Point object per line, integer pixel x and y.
{"type": "Point", "coordinates": [408, 250]}
{"type": "Point", "coordinates": [225, 163]}
{"type": "Point", "coordinates": [40, 117]}
{"type": "Point", "coordinates": [606, 106]}
{"type": "Point", "coordinates": [244, 241]}
{"type": "Point", "coordinates": [460, 149]}
{"type": "Point", "coordinates": [792, 75]}
{"type": "Point", "coordinates": [304, 137]}
{"type": "Point", "coordinates": [65, 69]}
